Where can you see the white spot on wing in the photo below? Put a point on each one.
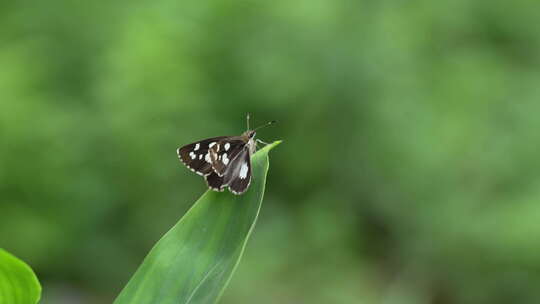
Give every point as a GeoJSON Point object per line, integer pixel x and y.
{"type": "Point", "coordinates": [243, 171]}
{"type": "Point", "coordinates": [225, 159]}
{"type": "Point", "coordinates": [211, 144]}
{"type": "Point", "coordinates": [192, 155]}
{"type": "Point", "coordinates": [227, 146]}
{"type": "Point", "coordinates": [197, 146]}
{"type": "Point", "coordinates": [200, 156]}
{"type": "Point", "coordinates": [207, 158]}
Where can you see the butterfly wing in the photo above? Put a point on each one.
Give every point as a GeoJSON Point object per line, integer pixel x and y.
{"type": "Point", "coordinates": [224, 154]}
{"type": "Point", "coordinates": [215, 182]}
{"type": "Point", "coordinates": [195, 156]}
{"type": "Point", "coordinates": [241, 176]}
{"type": "Point", "coordinates": [237, 175]}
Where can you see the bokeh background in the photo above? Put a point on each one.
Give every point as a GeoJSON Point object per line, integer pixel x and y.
{"type": "Point", "coordinates": [409, 172]}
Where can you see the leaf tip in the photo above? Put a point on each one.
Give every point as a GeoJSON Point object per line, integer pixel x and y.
{"type": "Point", "coordinates": [272, 145]}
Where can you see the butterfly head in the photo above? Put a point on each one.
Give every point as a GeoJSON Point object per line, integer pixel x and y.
{"type": "Point", "coordinates": [250, 134]}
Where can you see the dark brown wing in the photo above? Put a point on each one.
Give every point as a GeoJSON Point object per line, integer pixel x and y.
{"type": "Point", "coordinates": [215, 182]}
{"type": "Point", "coordinates": [241, 177]}
{"type": "Point", "coordinates": [237, 176]}
{"type": "Point", "coordinates": [224, 153]}
{"type": "Point", "coordinates": [195, 156]}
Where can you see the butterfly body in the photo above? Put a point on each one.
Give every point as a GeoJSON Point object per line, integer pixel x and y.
{"type": "Point", "coordinates": [224, 161]}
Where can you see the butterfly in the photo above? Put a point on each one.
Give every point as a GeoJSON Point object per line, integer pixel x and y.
{"type": "Point", "coordinates": [224, 161]}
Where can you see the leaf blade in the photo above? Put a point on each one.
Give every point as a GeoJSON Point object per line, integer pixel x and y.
{"type": "Point", "coordinates": [194, 261]}
{"type": "Point", "coordinates": [18, 283]}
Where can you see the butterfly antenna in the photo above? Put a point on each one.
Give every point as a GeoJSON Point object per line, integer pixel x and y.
{"type": "Point", "coordinates": [266, 124]}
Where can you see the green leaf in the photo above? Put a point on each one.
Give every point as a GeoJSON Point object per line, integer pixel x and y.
{"type": "Point", "coordinates": [18, 283]}
{"type": "Point", "coordinates": [194, 261]}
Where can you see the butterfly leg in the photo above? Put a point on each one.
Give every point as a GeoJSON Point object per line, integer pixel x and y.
{"type": "Point", "coordinates": [258, 141]}
{"type": "Point", "coordinates": [262, 142]}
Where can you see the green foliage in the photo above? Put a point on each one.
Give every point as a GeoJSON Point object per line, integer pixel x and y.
{"type": "Point", "coordinates": [194, 261]}
{"type": "Point", "coordinates": [18, 283]}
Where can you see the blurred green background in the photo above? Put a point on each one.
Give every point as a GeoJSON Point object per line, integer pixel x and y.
{"type": "Point", "coordinates": [409, 172]}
